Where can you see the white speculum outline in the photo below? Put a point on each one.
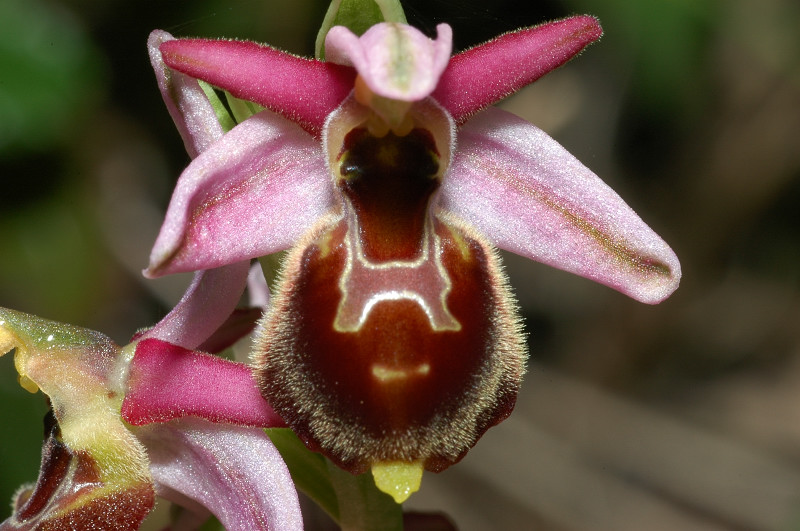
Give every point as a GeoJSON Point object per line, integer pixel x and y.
{"type": "Point", "coordinates": [406, 277]}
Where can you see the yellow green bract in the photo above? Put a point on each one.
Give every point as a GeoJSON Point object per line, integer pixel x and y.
{"type": "Point", "coordinates": [79, 371]}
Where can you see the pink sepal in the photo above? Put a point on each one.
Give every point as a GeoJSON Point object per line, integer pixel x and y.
{"type": "Point", "coordinates": [530, 196]}
{"type": "Point", "coordinates": [253, 192]}
{"type": "Point", "coordinates": [303, 90]}
{"type": "Point", "coordinates": [481, 76]}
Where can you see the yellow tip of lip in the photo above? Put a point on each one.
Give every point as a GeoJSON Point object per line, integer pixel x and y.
{"type": "Point", "coordinates": [398, 479]}
{"type": "Point", "coordinates": [28, 384]}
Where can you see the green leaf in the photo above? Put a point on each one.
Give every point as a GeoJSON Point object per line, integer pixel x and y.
{"type": "Point", "coordinates": [242, 109]}
{"type": "Point", "coordinates": [223, 115]}
{"type": "Point", "coordinates": [361, 505]}
{"type": "Point", "coordinates": [212, 524]}
{"type": "Point", "coordinates": [271, 266]}
{"type": "Point", "coordinates": [233, 110]}
{"type": "Point", "coordinates": [354, 502]}
{"type": "Point", "coordinates": [309, 470]}
{"type": "Point", "coordinates": [358, 16]}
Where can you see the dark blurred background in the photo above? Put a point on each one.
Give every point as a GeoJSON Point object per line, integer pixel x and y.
{"type": "Point", "coordinates": [684, 415]}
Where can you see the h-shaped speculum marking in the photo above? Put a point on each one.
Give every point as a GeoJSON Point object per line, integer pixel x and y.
{"type": "Point", "coordinates": [365, 283]}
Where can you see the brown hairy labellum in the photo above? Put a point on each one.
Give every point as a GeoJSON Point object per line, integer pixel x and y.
{"type": "Point", "coordinates": [393, 336]}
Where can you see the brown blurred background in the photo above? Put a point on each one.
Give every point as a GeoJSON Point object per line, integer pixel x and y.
{"type": "Point", "coordinates": [682, 416]}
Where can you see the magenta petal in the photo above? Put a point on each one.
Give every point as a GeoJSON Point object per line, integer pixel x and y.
{"type": "Point", "coordinates": [234, 472]}
{"type": "Point", "coordinates": [239, 324]}
{"type": "Point", "coordinates": [210, 299]}
{"type": "Point", "coordinates": [252, 193]}
{"type": "Point", "coordinates": [187, 103]}
{"type": "Point", "coordinates": [530, 196]}
{"type": "Point", "coordinates": [167, 382]}
{"type": "Point", "coordinates": [303, 90]}
{"type": "Point", "coordinates": [484, 75]}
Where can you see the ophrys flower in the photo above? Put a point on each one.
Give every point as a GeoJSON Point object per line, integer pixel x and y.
{"type": "Point", "coordinates": [393, 338]}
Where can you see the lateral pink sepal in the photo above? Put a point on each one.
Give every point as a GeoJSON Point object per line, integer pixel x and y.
{"type": "Point", "coordinates": [303, 90]}
{"type": "Point", "coordinates": [530, 196]}
{"type": "Point", "coordinates": [481, 76]}
{"type": "Point", "coordinates": [168, 382]}
{"type": "Point", "coordinates": [253, 192]}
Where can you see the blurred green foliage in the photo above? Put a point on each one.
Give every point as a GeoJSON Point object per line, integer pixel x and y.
{"type": "Point", "coordinates": [664, 44]}
{"type": "Point", "coordinates": [50, 73]}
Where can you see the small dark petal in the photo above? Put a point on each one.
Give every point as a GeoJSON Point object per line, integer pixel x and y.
{"type": "Point", "coordinates": [50, 423]}
{"type": "Point", "coordinates": [54, 468]}
{"type": "Point", "coordinates": [241, 322]}
{"type": "Point", "coordinates": [71, 495]}
{"type": "Point", "coordinates": [117, 511]}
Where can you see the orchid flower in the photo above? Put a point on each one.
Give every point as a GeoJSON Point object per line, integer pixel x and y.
{"type": "Point", "coordinates": [131, 422]}
{"type": "Point", "coordinates": [393, 342]}
{"type": "Point", "coordinates": [153, 417]}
